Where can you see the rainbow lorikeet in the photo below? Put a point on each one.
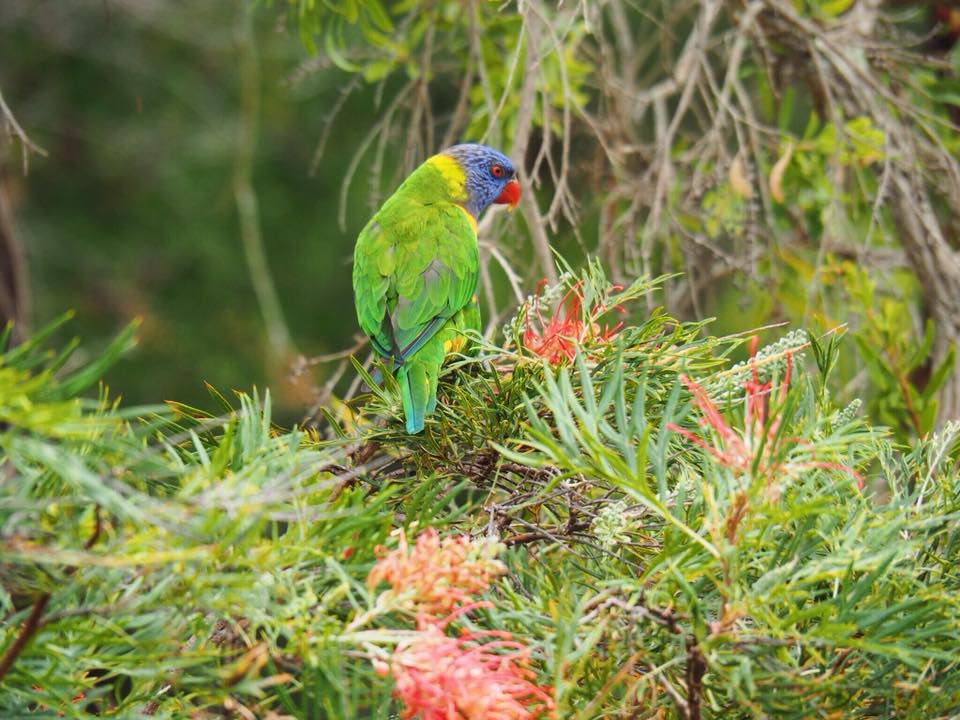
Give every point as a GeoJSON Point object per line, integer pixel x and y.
{"type": "Point", "coordinates": [416, 265]}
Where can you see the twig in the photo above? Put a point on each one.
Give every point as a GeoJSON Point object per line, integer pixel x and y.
{"type": "Point", "coordinates": [345, 92]}
{"type": "Point", "coordinates": [380, 127]}
{"type": "Point", "coordinates": [562, 201]}
{"type": "Point", "coordinates": [39, 604]}
{"type": "Point", "coordinates": [682, 706]}
{"type": "Point", "coordinates": [521, 139]}
{"type": "Point", "coordinates": [26, 632]}
{"type": "Point", "coordinates": [14, 274]}
{"type": "Point", "coordinates": [360, 341]}
{"type": "Point", "coordinates": [245, 196]}
{"type": "Point", "coordinates": [473, 9]}
{"type": "Point", "coordinates": [27, 145]}
{"type": "Point", "coordinates": [461, 111]}
{"type": "Point", "coordinates": [696, 669]}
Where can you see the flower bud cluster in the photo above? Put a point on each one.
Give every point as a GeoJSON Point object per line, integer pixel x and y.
{"type": "Point", "coordinates": [612, 526]}
{"type": "Point", "coordinates": [769, 362]}
{"type": "Point", "coordinates": [847, 414]}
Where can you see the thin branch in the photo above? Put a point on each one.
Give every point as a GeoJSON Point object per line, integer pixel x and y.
{"type": "Point", "coordinates": [461, 111]}
{"type": "Point", "coordinates": [521, 139]}
{"type": "Point", "coordinates": [696, 669]}
{"type": "Point", "coordinates": [380, 127]}
{"type": "Point", "coordinates": [26, 632]}
{"type": "Point", "coordinates": [328, 121]}
{"type": "Point", "coordinates": [562, 200]}
{"type": "Point", "coordinates": [476, 50]}
{"type": "Point", "coordinates": [33, 621]}
{"type": "Point", "coordinates": [27, 145]}
{"type": "Point", "coordinates": [278, 336]}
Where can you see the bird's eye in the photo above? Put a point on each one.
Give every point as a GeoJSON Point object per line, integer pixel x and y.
{"type": "Point", "coordinates": [497, 171]}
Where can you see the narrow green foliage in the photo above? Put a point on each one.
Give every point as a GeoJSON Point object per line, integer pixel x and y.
{"type": "Point", "coordinates": [668, 546]}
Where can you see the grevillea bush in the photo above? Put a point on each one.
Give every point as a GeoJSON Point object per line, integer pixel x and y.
{"type": "Point", "coordinates": [598, 522]}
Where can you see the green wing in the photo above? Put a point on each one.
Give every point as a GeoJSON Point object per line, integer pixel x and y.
{"type": "Point", "coordinates": [415, 267]}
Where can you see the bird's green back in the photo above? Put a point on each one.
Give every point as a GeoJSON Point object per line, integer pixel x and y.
{"type": "Point", "coordinates": [416, 262]}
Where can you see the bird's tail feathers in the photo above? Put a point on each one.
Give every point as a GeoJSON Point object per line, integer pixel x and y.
{"type": "Point", "coordinates": [415, 392]}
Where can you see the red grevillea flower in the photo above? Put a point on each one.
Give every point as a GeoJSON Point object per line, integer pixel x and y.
{"type": "Point", "coordinates": [569, 327]}
{"type": "Point", "coordinates": [759, 442]}
{"type": "Point", "coordinates": [436, 575]}
{"type": "Point", "coordinates": [477, 676]}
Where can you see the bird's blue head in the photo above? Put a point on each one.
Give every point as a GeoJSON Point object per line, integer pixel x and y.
{"type": "Point", "coordinates": [490, 176]}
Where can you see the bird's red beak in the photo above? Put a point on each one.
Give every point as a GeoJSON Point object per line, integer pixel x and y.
{"type": "Point", "coordinates": [510, 195]}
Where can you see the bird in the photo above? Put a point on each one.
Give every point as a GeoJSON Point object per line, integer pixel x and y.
{"type": "Point", "coordinates": [416, 265]}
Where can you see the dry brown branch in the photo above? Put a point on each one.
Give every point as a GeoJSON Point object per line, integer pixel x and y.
{"type": "Point", "coordinates": [685, 76]}
{"type": "Point", "coordinates": [34, 619]}
{"type": "Point", "coordinates": [29, 627]}
{"type": "Point", "coordinates": [696, 669]}
{"type": "Point", "coordinates": [937, 268]}
{"type": "Point", "coordinates": [460, 113]}
{"type": "Point", "coordinates": [562, 203]}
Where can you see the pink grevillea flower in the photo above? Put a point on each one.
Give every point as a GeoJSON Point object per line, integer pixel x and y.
{"type": "Point", "coordinates": [569, 327]}
{"type": "Point", "coordinates": [477, 676]}
{"type": "Point", "coordinates": [759, 444]}
{"type": "Point", "coordinates": [435, 576]}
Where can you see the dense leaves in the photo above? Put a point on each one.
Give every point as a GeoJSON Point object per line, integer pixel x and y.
{"type": "Point", "coordinates": [217, 563]}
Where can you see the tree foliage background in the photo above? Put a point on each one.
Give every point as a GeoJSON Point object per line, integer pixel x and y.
{"type": "Point", "coordinates": [207, 167]}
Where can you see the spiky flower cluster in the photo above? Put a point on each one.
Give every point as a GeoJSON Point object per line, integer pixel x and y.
{"type": "Point", "coordinates": [546, 294]}
{"type": "Point", "coordinates": [477, 676]}
{"type": "Point", "coordinates": [759, 447]}
{"type": "Point", "coordinates": [570, 326]}
{"type": "Point", "coordinates": [435, 576]}
{"type": "Point", "coordinates": [611, 527]}
{"type": "Point", "coordinates": [767, 363]}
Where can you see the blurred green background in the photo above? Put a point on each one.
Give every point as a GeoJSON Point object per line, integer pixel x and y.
{"type": "Point", "coordinates": [132, 213]}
